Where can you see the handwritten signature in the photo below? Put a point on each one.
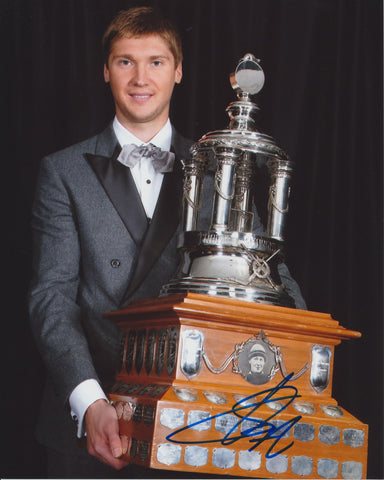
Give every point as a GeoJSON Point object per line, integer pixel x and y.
{"type": "Point", "coordinates": [257, 430]}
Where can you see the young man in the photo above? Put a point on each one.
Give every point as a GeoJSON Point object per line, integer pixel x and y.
{"type": "Point", "coordinates": [104, 234]}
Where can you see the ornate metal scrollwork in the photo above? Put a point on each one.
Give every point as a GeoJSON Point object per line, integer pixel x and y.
{"type": "Point", "coordinates": [256, 359]}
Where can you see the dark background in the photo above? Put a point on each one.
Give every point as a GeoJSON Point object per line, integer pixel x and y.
{"type": "Point", "coordinates": [322, 102]}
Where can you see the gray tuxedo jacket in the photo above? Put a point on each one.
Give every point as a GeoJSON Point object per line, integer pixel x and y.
{"type": "Point", "coordinates": [94, 251]}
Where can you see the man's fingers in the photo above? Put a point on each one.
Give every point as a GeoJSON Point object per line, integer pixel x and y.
{"type": "Point", "coordinates": [115, 444]}
{"type": "Point", "coordinates": [103, 453]}
{"type": "Point", "coordinates": [124, 443]}
{"type": "Point", "coordinates": [103, 440]}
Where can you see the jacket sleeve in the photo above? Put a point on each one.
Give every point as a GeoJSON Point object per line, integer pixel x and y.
{"type": "Point", "coordinates": [54, 314]}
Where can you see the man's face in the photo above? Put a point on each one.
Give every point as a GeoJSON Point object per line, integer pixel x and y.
{"type": "Point", "coordinates": [142, 73]}
{"type": "Point", "coordinates": [257, 364]}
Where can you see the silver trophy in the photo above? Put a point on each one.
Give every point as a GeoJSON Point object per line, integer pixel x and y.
{"type": "Point", "coordinates": [230, 258]}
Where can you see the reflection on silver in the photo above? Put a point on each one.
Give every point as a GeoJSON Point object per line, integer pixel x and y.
{"type": "Point", "coordinates": [121, 387]}
{"type": "Point", "coordinates": [148, 414]}
{"type": "Point", "coordinates": [283, 430]}
{"type": "Point", "coordinates": [302, 465]}
{"type": "Point", "coordinates": [327, 468]}
{"type": "Point", "coordinates": [215, 397]}
{"type": "Point", "coordinates": [134, 448]}
{"type": "Point", "coordinates": [243, 400]}
{"type": "Point", "coordinates": [168, 453]}
{"type": "Point", "coordinates": [227, 423]}
{"type": "Point", "coordinates": [306, 408]}
{"type": "Point", "coordinates": [249, 460]}
{"type": "Point", "coordinates": [123, 340]}
{"type": "Point", "coordinates": [275, 405]}
{"type": "Point", "coordinates": [140, 345]}
{"type": "Point", "coordinates": [253, 427]}
{"type": "Point", "coordinates": [332, 411]}
{"type": "Point", "coordinates": [225, 258]}
{"type": "Point", "coordinates": [130, 350]}
{"type": "Point", "coordinates": [352, 470]}
{"type": "Point", "coordinates": [353, 437]}
{"type": "Point", "coordinates": [160, 356]}
{"type": "Point", "coordinates": [144, 447]}
{"type": "Point", "coordinates": [248, 76]}
{"type": "Point", "coordinates": [197, 420]}
{"type": "Point", "coordinates": [223, 458]}
{"type": "Point", "coordinates": [192, 352]}
{"type": "Point", "coordinates": [172, 417]}
{"type": "Point", "coordinates": [150, 351]}
{"type": "Point", "coordinates": [133, 388]}
{"type": "Point", "coordinates": [196, 456]}
{"type": "Point", "coordinates": [173, 340]}
{"type": "Point", "coordinates": [146, 390]}
{"type": "Point", "coordinates": [305, 432]}
{"type": "Point", "coordinates": [119, 407]}
{"type": "Point", "coordinates": [219, 369]}
{"type": "Point", "coordinates": [158, 390]}
{"type": "Point", "coordinates": [186, 394]}
{"type": "Point", "coordinates": [320, 368]}
{"type": "Point", "coordinates": [138, 413]}
{"type": "Point", "coordinates": [329, 434]}
{"type": "Point", "coordinates": [277, 464]}
{"type": "Point", "coordinates": [124, 410]}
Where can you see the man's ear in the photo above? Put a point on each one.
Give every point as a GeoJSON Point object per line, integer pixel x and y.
{"type": "Point", "coordinates": [106, 74]}
{"type": "Point", "coordinates": [179, 73]}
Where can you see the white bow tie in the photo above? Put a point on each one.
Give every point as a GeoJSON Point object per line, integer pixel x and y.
{"type": "Point", "coordinates": [162, 161]}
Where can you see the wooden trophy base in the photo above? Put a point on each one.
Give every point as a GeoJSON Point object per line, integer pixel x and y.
{"type": "Point", "coordinates": [221, 386]}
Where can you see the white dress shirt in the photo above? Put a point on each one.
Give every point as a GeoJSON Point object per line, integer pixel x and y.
{"type": "Point", "coordinates": [148, 184]}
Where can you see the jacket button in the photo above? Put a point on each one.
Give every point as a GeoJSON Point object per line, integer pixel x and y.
{"type": "Point", "coordinates": [115, 263]}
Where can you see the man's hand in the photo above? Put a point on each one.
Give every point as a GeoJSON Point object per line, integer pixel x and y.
{"type": "Point", "coordinates": [103, 440]}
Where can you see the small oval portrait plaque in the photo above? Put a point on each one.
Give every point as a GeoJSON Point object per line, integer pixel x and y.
{"type": "Point", "coordinates": [257, 360]}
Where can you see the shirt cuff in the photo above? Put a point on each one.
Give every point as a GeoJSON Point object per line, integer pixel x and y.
{"type": "Point", "coordinates": [81, 398]}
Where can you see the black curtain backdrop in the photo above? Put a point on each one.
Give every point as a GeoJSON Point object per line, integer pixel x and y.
{"type": "Point", "coordinates": [322, 102]}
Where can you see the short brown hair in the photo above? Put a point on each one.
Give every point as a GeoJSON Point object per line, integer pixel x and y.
{"type": "Point", "coordinates": [139, 22]}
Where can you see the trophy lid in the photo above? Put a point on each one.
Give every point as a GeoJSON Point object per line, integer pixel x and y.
{"type": "Point", "coordinates": [249, 76]}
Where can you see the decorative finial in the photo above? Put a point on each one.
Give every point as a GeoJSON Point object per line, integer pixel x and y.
{"type": "Point", "coordinates": [249, 76]}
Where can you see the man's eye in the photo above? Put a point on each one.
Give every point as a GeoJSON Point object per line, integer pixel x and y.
{"type": "Point", "coordinates": [156, 63]}
{"type": "Point", "coordinates": [125, 62]}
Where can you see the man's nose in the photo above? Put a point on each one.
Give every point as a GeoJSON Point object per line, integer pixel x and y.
{"type": "Point", "coordinates": [141, 75]}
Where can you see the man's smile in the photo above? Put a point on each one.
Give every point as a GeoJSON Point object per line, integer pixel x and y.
{"type": "Point", "coordinates": [140, 97]}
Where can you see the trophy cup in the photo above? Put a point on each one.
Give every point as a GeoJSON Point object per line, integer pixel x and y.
{"type": "Point", "coordinates": [220, 374]}
{"type": "Point", "coordinates": [229, 259]}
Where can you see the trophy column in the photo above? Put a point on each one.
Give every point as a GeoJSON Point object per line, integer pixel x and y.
{"type": "Point", "coordinates": [194, 171]}
{"type": "Point", "coordinates": [279, 191]}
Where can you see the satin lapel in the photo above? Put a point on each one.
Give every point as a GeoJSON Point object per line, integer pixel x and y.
{"type": "Point", "coordinates": [121, 189]}
{"type": "Point", "coordinates": [162, 227]}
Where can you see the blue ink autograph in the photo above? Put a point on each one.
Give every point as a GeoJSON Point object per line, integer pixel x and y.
{"type": "Point", "coordinates": [260, 430]}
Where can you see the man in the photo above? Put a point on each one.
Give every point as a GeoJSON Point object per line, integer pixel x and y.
{"type": "Point", "coordinates": [257, 363]}
{"type": "Point", "coordinates": [105, 221]}
{"type": "Point", "coordinates": [104, 235]}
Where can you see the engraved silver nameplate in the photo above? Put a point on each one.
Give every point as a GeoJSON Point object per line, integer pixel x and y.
{"type": "Point", "coordinates": [320, 367]}
{"type": "Point", "coordinates": [192, 352]}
